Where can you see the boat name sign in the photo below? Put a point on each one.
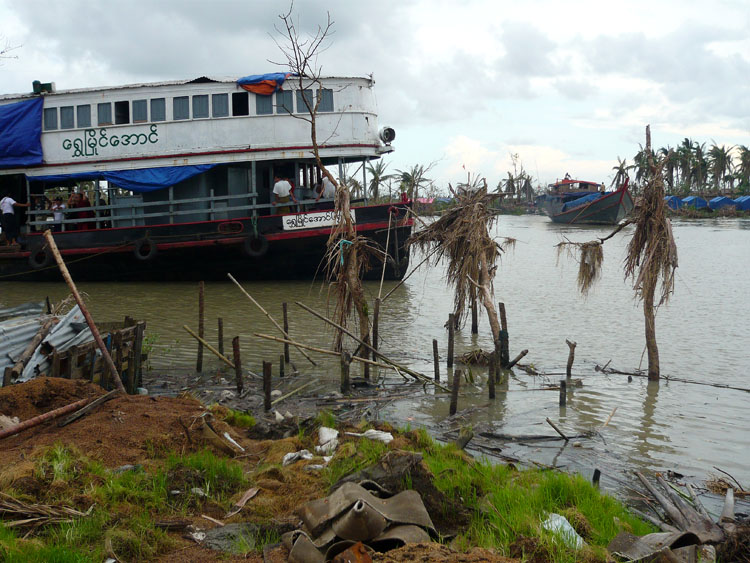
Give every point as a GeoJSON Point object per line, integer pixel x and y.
{"type": "Point", "coordinates": [89, 143]}
{"type": "Point", "coordinates": [311, 220]}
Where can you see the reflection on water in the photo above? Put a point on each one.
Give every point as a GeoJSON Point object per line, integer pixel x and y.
{"type": "Point", "coordinates": [702, 336]}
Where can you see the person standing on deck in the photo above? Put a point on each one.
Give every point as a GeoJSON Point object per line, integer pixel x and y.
{"type": "Point", "coordinates": [58, 208]}
{"type": "Point", "coordinates": [282, 193]}
{"type": "Point", "coordinates": [9, 220]}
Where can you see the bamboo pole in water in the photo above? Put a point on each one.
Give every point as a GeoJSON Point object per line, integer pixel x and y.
{"type": "Point", "coordinates": [77, 296]}
{"type": "Point", "coordinates": [451, 336]}
{"type": "Point", "coordinates": [201, 328]}
{"type": "Point", "coordinates": [237, 363]}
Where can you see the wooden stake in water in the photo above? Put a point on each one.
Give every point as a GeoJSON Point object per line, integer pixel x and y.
{"type": "Point", "coordinates": [221, 336]}
{"type": "Point", "coordinates": [237, 363]}
{"type": "Point", "coordinates": [474, 317]}
{"type": "Point", "coordinates": [281, 365]}
{"type": "Point", "coordinates": [201, 329]}
{"type": "Point", "coordinates": [504, 340]}
{"type": "Point", "coordinates": [375, 325]}
{"type": "Point", "coordinates": [267, 386]}
{"type": "Point", "coordinates": [346, 360]}
{"type": "Point", "coordinates": [571, 357]}
{"type": "Point", "coordinates": [562, 392]}
{"type": "Point", "coordinates": [454, 392]}
{"type": "Point", "coordinates": [286, 330]}
{"type": "Point", "coordinates": [451, 334]}
{"type": "Point", "coordinates": [491, 380]}
{"type": "Point", "coordinates": [436, 359]}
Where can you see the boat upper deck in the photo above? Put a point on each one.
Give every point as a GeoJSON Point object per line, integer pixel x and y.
{"type": "Point", "coordinates": [201, 121]}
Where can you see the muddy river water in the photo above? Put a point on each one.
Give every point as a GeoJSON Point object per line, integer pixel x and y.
{"type": "Point", "coordinates": [702, 335]}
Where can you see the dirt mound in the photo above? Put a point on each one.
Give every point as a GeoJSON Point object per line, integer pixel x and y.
{"type": "Point", "coordinates": [125, 430]}
{"type": "Point", "coordinates": [428, 552]}
{"type": "Point", "coordinates": [43, 394]}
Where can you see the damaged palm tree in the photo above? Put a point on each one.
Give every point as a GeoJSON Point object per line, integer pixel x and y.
{"type": "Point", "coordinates": [462, 236]}
{"type": "Point", "coordinates": [651, 257]}
{"type": "Point", "coordinates": [347, 253]}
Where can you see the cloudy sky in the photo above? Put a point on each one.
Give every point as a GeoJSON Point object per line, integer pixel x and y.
{"type": "Point", "coordinates": [568, 86]}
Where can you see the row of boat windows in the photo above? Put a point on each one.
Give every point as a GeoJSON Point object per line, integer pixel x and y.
{"type": "Point", "coordinates": [199, 106]}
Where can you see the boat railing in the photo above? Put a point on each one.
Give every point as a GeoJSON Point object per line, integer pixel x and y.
{"type": "Point", "coordinates": [135, 212]}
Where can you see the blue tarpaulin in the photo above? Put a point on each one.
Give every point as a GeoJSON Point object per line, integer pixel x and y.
{"type": "Point", "coordinates": [581, 201]}
{"type": "Point", "coordinates": [695, 201]}
{"type": "Point", "coordinates": [743, 203]}
{"type": "Point", "coordinates": [673, 202]}
{"type": "Point", "coordinates": [721, 201]}
{"type": "Point", "coordinates": [144, 180]}
{"type": "Point", "coordinates": [21, 133]}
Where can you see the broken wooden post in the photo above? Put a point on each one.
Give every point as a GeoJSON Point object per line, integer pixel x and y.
{"type": "Point", "coordinates": [451, 336]}
{"type": "Point", "coordinates": [267, 386]}
{"type": "Point", "coordinates": [140, 329]}
{"type": "Point", "coordinates": [517, 358]}
{"type": "Point", "coordinates": [7, 376]}
{"type": "Point", "coordinates": [436, 358]}
{"type": "Point", "coordinates": [563, 395]}
{"type": "Point", "coordinates": [201, 330]}
{"type": "Point", "coordinates": [281, 365]}
{"type": "Point", "coordinates": [454, 392]}
{"type": "Point", "coordinates": [285, 314]}
{"type": "Point", "coordinates": [504, 344]}
{"type": "Point", "coordinates": [571, 356]}
{"type": "Point", "coordinates": [237, 363]}
{"type": "Point", "coordinates": [597, 476]}
{"type": "Point", "coordinates": [346, 360]}
{"type": "Point", "coordinates": [77, 296]}
{"type": "Point", "coordinates": [474, 317]}
{"type": "Point", "coordinates": [221, 336]}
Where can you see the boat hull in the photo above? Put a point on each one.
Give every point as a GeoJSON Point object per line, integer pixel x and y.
{"type": "Point", "coordinates": [609, 209]}
{"type": "Point", "coordinates": [206, 250]}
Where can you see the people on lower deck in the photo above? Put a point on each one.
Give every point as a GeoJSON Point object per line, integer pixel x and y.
{"type": "Point", "coordinates": [282, 193]}
{"type": "Point", "coordinates": [9, 220]}
{"type": "Point", "coordinates": [58, 209]}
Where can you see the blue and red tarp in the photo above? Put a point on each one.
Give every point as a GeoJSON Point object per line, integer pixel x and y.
{"type": "Point", "coordinates": [264, 84]}
{"type": "Point", "coordinates": [21, 133]}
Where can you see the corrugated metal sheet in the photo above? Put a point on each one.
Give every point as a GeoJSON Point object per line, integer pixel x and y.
{"type": "Point", "coordinates": [15, 335]}
{"type": "Point", "coordinates": [25, 310]}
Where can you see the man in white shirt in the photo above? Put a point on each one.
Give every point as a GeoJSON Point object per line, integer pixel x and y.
{"type": "Point", "coordinates": [282, 193]}
{"type": "Point", "coordinates": [328, 191]}
{"type": "Point", "coordinates": [9, 220]}
{"type": "Point", "coordinates": [58, 208]}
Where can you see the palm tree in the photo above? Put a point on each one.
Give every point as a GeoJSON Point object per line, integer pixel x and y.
{"type": "Point", "coordinates": [685, 163]}
{"type": "Point", "coordinates": [742, 168]}
{"type": "Point", "coordinates": [640, 164]}
{"type": "Point", "coordinates": [671, 166]}
{"type": "Point", "coordinates": [412, 179]}
{"type": "Point", "coordinates": [377, 177]}
{"type": "Point", "coordinates": [621, 172]}
{"type": "Point", "coordinates": [699, 169]}
{"type": "Point", "coordinates": [720, 165]}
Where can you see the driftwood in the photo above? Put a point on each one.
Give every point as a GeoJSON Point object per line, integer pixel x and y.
{"type": "Point", "coordinates": [553, 425]}
{"type": "Point", "coordinates": [35, 514]}
{"type": "Point", "coordinates": [610, 371]}
{"type": "Point", "coordinates": [90, 407]}
{"type": "Point", "coordinates": [77, 296]}
{"type": "Point", "coordinates": [684, 516]}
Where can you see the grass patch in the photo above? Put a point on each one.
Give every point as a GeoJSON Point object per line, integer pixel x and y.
{"type": "Point", "coordinates": [351, 456]}
{"type": "Point", "coordinates": [509, 507]}
{"type": "Point", "coordinates": [218, 477]}
{"type": "Point", "coordinates": [239, 419]}
{"type": "Point", "coordinates": [326, 418]}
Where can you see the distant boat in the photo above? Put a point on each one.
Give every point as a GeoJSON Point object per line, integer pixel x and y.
{"type": "Point", "coordinates": [580, 202]}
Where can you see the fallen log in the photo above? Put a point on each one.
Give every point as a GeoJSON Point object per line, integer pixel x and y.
{"type": "Point", "coordinates": [37, 420]}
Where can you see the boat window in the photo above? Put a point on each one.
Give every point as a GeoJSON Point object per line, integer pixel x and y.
{"type": "Point", "coordinates": [104, 113]}
{"type": "Point", "coordinates": [83, 116]}
{"type": "Point", "coordinates": [122, 112]}
{"type": "Point", "coordinates": [67, 114]}
{"type": "Point", "coordinates": [200, 106]}
{"type": "Point", "coordinates": [181, 107]}
{"type": "Point", "coordinates": [284, 102]}
{"type": "Point", "coordinates": [263, 105]}
{"type": "Point", "coordinates": [140, 111]}
{"type": "Point", "coordinates": [326, 99]}
{"type": "Point", "coordinates": [50, 119]}
{"type": "Point", "coordinates": [158, 109]}
{"type": "Point", "coordinates": [240, 105]}
{"type": "Point", "coordinates": [220, 105]}
{"type": "Point", "coordinates": [301, 107]}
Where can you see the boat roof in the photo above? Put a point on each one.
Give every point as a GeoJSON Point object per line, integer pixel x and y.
{"type": "Point", "coordinates": [569, 181]}
{"type": "Point", "coordinates": [199, 80]}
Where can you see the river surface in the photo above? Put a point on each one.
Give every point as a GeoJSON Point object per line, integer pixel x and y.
{"type": "Point", "coordinates": [702, 335]}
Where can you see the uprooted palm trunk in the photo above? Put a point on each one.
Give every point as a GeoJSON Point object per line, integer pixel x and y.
{"type": "Point", "coordinates": [462, 235]}
{"type": "Point", "coordinates": [652, 254]}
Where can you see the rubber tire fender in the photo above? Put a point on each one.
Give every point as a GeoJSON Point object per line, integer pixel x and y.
{"type": "Point", "coordinates": [255, 246]}
{"type": "Point", "coordinates": [144, 243]}
{"type": "Point", "coordinates": [40, 257]}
